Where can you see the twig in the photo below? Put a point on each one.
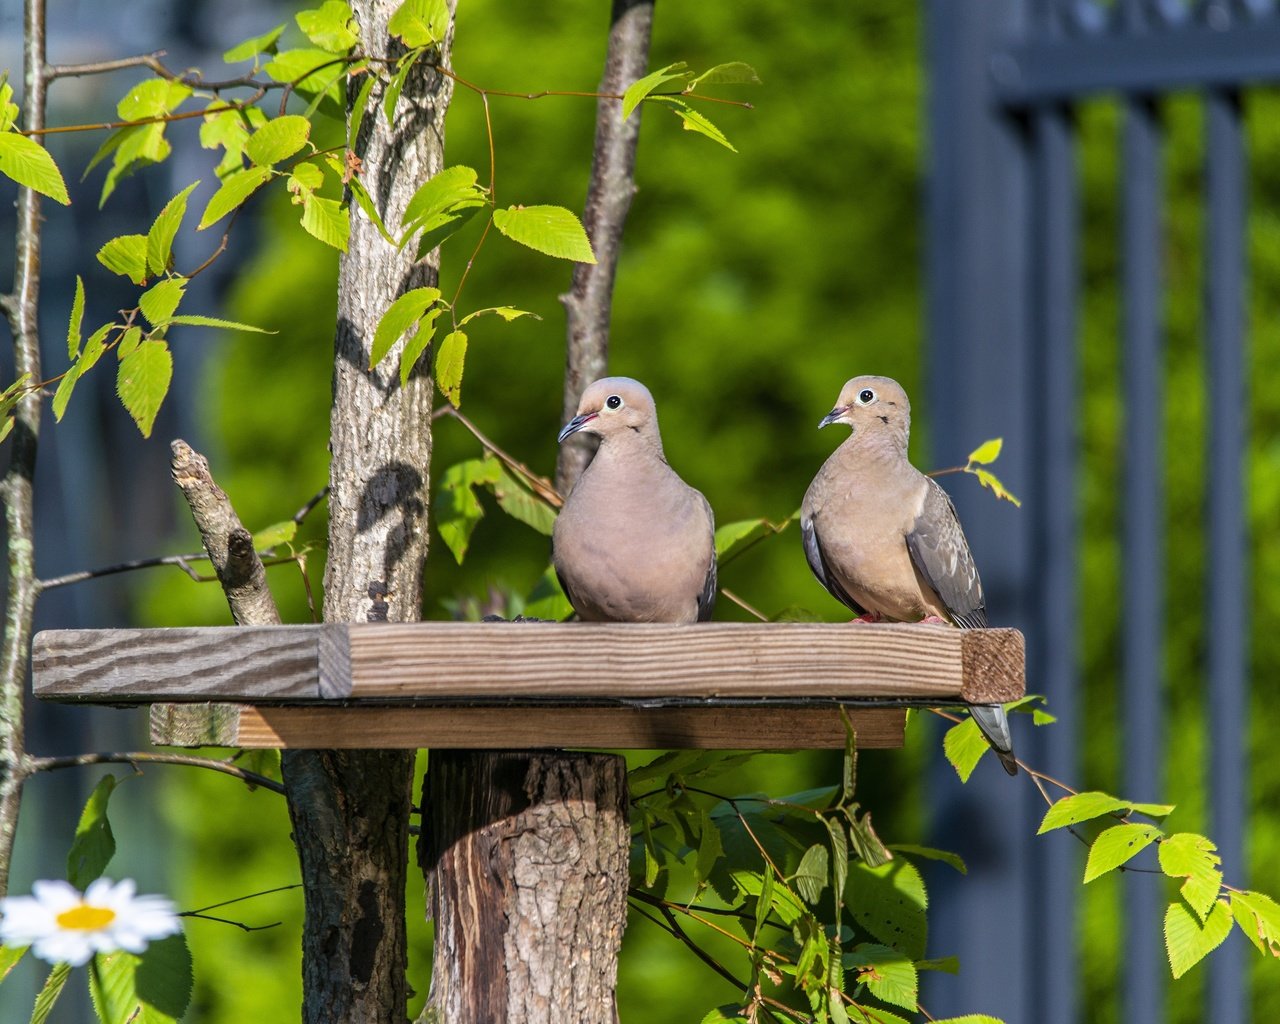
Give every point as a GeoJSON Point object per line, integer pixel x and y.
{"type": "Point", "coordinates": [181, 561]}
{"type": "Point", "coordinates": [743, 604]}
{"type": "Point", "coordinates": [102, 67]}
{"type": "Point", "coordinates": [135, 758]}
{"type": "Point", "coordinates": [196, 916]}
{"type": "Point", "coordinates": [310, 505]}
{"type": "Point", "coordinates": [493, 162]}
{"type": "Point", "coordinates": [672, 926]}
{"type": "Point", "coordinates": [540, 485]}
{"type": "Point", "coordinates": [221, 247]}
{"type": "Point", "coordinates": [241, 899]}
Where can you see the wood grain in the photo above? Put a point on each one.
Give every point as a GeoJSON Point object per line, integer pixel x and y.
{"type": "Point", "coordinates": [499, 728]}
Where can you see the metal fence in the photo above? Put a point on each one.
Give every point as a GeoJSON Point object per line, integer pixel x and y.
{"type": "Point", "coordinates": [1004, 207]}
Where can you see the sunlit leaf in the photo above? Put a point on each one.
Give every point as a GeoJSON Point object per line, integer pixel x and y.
{"type": "Point", "coordinates": [278, 139]}
{"type": "Point", "coordinates": [143, 382]}
{"type": "Point", "coordinates": [989, 479]}
{"type": "Point", "coordinates": [402, 314]}
{"type": "Point", "coordinates": [638, 90]}
{"type": "Point", "coordinates": [735, 72]}
{"type": "Point", "coordinates": [1259, 918]}
{"type": "Point", "coordinates": [987, 452]}
{"type": "Point", "coordinates": [508, 313]}
{"type": "Point", "coordinates": [164, 229]}
{"type": "Point", "coordinates": [1188, 940]}
{"type": "Point", "coordinates": [159, 302]}
{"type": "Point", "coordinates": [152, 97]}
{"type": "Point", "coordinates": [417, 343]}
{"type": "Point", "coordinates": [29, 164]}
{"type": "Point", "coordinates": [548, 229]}
{"type": "Point", "coordinates": [517, 501]}
{"type": "Point", "coordinates": [212, 321]}
{"type": "Point", "coordinates": [77, 319]}
{"type": "Point", "coordinates": [265, 43]}
{"type": "Point", "coordinates": [94, 844]}
{"type": "Point", "coordinates": [889, 974]}
{"type": "Point", "coordinates": [326, 220]}
{"type": "Point", "coordinates": [126, 255]}
{"type": "Point", "coordinates": [449, 362]}
{"type": "Point", "coordinates": [275, 535]}
{"type": "Point", "coordinates": [331, 26]}
{"type": "Point", "coordinates": [1117, 845]}
{"type": "Point", "coordinates": [420, 22]}
{"type": "Point", "coordinates": [964, 746]}
{"type": "Point", "coordinates": [236, 187]}
{"type": "Point", "coordinates": [48, 994]}
{"type": "Point", "coordinates": [929, 853]}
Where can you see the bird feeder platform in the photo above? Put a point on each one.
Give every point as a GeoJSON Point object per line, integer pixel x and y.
{"type": "Point", "coordinates": [528, 685]}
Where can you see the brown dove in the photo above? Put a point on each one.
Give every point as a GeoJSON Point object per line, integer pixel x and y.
{"type": "Point", "coordinates": [884, 539]}
{"type": "Point", "coordinates": [634, 542]}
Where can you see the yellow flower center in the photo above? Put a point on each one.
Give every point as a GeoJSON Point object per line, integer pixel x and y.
{"type": "Point", "coordinates": [84, 917]}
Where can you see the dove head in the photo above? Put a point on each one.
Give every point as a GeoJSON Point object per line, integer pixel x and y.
{"type": "Point", "coordinates": [875, 407]}
{"type": "Point", "coordinates": [616, 410]}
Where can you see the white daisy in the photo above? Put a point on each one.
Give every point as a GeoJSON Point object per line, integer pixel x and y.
{"type": "Point", "coordinates": [64, 926]}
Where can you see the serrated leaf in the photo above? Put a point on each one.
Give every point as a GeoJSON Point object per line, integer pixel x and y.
{"type": "Point", "coordinates": [964, 746]}
{"type": "Point", "coordinates": [8, 109]}
{"type": "Point", "coordinates": [10, 956]}
{"type": "Point", "coordinates": [326, 220]}
{"type": "Point", "coordinates": [143, 382]}
{"type": "Point", "coordinates": [811, 876]}
{"type": "Point", "coordinates": [331, 26]}
{"type": "Point", "coordinates": [1259, 918]}
{"type": "Point", "coordinates": [129, 342]}
{"type": "Point", "coordinates": [889, 974]}
{"type": "Point", "coordinates": [94, 844]}
{"type": "Point", "coordinates": [987, 452]}
{"type": "Point", "coordinates": [733, 536]}
{"type": "Point", "coordinates": [735, 72]}
{"type": "Point", "coordinates": [164, 229]}
{"type": "Point", "coordinates": [159, 301]}
{"type": "Point", "coordinates": [359, 108]}
{"type": "Point", "coordinates": [548, 229]}
{"type": "Point", "coordinates": [153, 97]}
{"type": "Point", "coordinates": [929, 853]}
{"type": "Point", "coordinates": [457, 508]}
{"type": "Point", "coordinates": [6, 428]}
{"type": "Point", "coordinates": [889, 902]}
{"type": "Point", "coordinates": [401, 315]}
{"type": "Point", "coordinates": [278, 139]}
{"type": "Point", "coordinates": [126, 255]}
{"type": "Point", "coordinates": [77, 320]}
{"type": "Point", "coordinates": [93, 348]}
{"type": "Point", "coordinates": [417, 343]}
{"type": "Point", "coordinates": [29, 164]}
{"type": "Point", "coordinates": [1190, 856]}
{"type": "Point", "coordinates": [308, 70]}
{"type": "Point", "coordinates": [195, 320]}
{"type": "Point", "coordinates": [508, 313]}
{"type": "Point", "coordinates": [639, 89]}
{"type": "Point", "coordinates": [151, 988]}
{"type": "Point", "coordinates": [48, 994]}
{"type": "Point", "coordinates": [264, 43]}
{"type": "Point", "coordinates": [989, 479]}
{"type": "Point", "coordinates": [839, 840]}
{"type": "Point", "coordinates": [695, 121]}
{"type": "Point", "coordinates": [63, 395]}
{"type": "Point", "coordinates": [1115, 846]}
{"type": "Point", "coordinates": [945, 964]}
{"type": "Point", "coordinates": [449, 362]}
{"type": "Point", "coordinates": [366, 203]}
{"type": "Point", "coordinates": [517, 501]}
{"type": "Point", "coordinates": [275, 535]}
{"type": "Point", "coordinates": [447, 199]}
{"type": "Point", "coordinates": [420, 22]}
{"type": "Point", "coordinates": [727, 1014]}
{"type": "Point", "coordinates": [391, 95]}
{"type": "Point", "coordinates": [1078, 807]}
{"type": "Point", "coordinates": [1187, 940]}
{"type": "Point", "coordinates": [971, 1018]}
{"type": "Point", "coordinates": [710, 848]}
{"type": "Point", "coordinates": [305, 177]}
{"type": "Point", "coordinates": [236, 187]}
{"type": "Point", "coordinates": [862, 837]}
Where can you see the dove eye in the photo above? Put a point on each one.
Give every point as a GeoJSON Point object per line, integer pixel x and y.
{"type": "Point", "coordinates": [613, 402]}
{"type": "Point", "coordinates": [866, 396]}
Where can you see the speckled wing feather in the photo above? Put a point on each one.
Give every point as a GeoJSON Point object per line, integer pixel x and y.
{"type": "Point", "coordinates": [813, 554]}
{"type": "Point", "coordinates": [941, 554]}
{"type": "Point", "coordinates": [707, 599]}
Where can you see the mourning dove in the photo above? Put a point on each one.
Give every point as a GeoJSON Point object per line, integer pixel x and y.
{"type": "Point", "coordinates": [884, 538]}
{"type": "Point", "coordinates": [634, 542]}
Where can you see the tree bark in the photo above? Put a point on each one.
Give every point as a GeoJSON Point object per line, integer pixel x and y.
{"type": "Point", "coordinates": [350, 809]}
{"type": "Point", "coordinates": [527, 856]}
{"type": "Point", "coordinates": [589, 303]}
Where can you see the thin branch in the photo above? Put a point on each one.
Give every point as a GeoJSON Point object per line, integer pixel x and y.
{"type": "Point", "coordinates": [310, 505]}
{"type": "Point", "coordinates": [493, 163]}
{"type": "Point", "coordinates": [221, 246]}
{"type": "Point", "coordinates": [102, 67]}
{"type": "Point", "coordinates": [137, 123]}
{"type": "Point", "coordinates": [672, 926]}
{"type": "Point", "coordinates": [181, 561]}
{"type": "Point", "coordinates": [135, 758]}
{"type": "Point", "coordinates": [540, 485]}
{"type": "Point", "coordinates": [224, 920]}
{"type": "Point", "coordinates": [751, 609]}
{"type": "Point", "coordinates": [241, 899]}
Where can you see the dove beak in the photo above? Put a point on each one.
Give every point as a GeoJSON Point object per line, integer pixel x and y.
{"type": "Point", "coordinates": [836, 415]}
{"type": "Point", "coordinates": [576, 424]}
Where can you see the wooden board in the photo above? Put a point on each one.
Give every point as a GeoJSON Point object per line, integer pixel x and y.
{"type": "Point", "coordinates": [442, 661]}
{"type": "Point", "coordinates": [503, 728]}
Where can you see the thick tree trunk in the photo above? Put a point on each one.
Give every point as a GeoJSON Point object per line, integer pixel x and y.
{"type": "Point", "coordinates": [527, 856]}
{"type": "Point", "coordinates": [350, 809]}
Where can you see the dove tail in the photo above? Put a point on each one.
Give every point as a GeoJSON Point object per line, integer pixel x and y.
{"type": "Point", "coordinates": [994, 725]}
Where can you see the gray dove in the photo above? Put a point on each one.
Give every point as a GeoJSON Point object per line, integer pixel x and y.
{"type": "Point", "coordinates": [634, 542]}
{"type": "Point", "coordinates": [884, 539]}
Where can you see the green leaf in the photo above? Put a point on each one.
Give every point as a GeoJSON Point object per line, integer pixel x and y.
{"type": "Point", "coordinates": [710, 848]}
{"type": "Point", "coordinates": [945, 964]}
{"type": "Point", "coordinates": [6, 428]}
{"type": "Point", "coordinates": [265, 43]}
{"type": "Point", "coordinates": [441, 206]}
{"type": "Point", "coordinates": [29, 164]}
{"type": "Point", "coordinates": [308, 70]}
{"type": "Point", "coordinates": [547, 601]}
{"type": "Point", "coordinates": [163, 230]}
{"type": "Point", "coordinates": [811, 876]}
{"type": "Point", "coordinates": [839, 840]}
{"type": "Point", "coordinates": [213, 321]}
{"type": "Point", "coordinates": [77, 320]}
{"type": "Point", "coordinates": [391, 96]}
{"type": "Point", "coordinates": [159, 302]}
{"type": "Point", "coordinates": [143, 382]}
{"type": "Point", "coordinates": [889, 901]}
{"type": "Point", "coordinates": [48, 995]}
{"type": "Point", "coordinates": [63, 395]}
{"type": "Point", "coordinates": [9, 958]}
{"type": "Point", "coordinates": [417, 343]}
{"type": "Point", "coordinates": [93, 348]}
{"type": "Point", "coordinates": [988, 479]}
{"type": "Point", "coordinates": [1188, 940]}
{"type": "Point", "coordinates": [987, 452]}
{"type": "Point", "coordinates": [93, 845]}
{"type": "Point", "coordinates": [1078, 807]}
{"type": "Point", "coordinates": [929, 853]}
{"type": "Point", "coordinates": [1117, 845]}
{"type": "Point", "coordinates": [638, 90]}
{"type": "Point", "coordinates": [8, 109]}
{"type": "Point", "coordinates": [230, 130]}
{"type": "Point", "coordinates": [1193, 857]}
{"type": "Point", "coordinates": [331, 26]}
{"type": "Point", "coordinates": [508, 313]}
{"type": "Point", "coordinates": [326, 220]}
{"type": "Point", "coordinates": [153, 97]}
{"type": "Point", "coordinates": [727, 1014]}
{"type": "Point", "coordinates": [548, 229]}
{"type": "Point", "coordinates": [971, 1018]}
{"type": "Point", "coordinates": [862, 837]}
{"type": "Point", "coordinates": [888, 973]}
{"type": "Point", "coordinates": [420, 22]}
{"type": "Point", "coordinates": [365, 202]}
{"type": "Point", "coordinates": [401, 315]}
{"type": "Point", "coordinates": [275, 535]}
{"type": "Point", "coordinates": [129, 342]}
{"type": "Point", "coordinates": [449, 362]}
{"type": "Point", "coordinates": [236, 187]}
{"type": "Point", "coordinates": [735, 72]}
{"type": "Point", "coordinates": [360, 108]}
{"type": "Point", "coordinates": [126, 256]}
{"type": "Point", "coordinates": [457, 508]}
{"type": "Point", "coordinates": [278, 139]}
{"type": "Point", "coordinates": [733, 536]}
{"type": "Point", "coordinates": [305, 177]}
{"type": "Point", "coordinates": [1259, 918]}
{"type": "Point", "coordinates": [151, 988]}
{"type": "Point", "coordinates": [517, 501]}
{"type": "Point", "coordinates": [964, 746]}
{"type": "Point", "coordinates": [694, 121]}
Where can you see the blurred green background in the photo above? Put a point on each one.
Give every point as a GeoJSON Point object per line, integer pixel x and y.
{"type": "Point", "coordinates": [750, 287]}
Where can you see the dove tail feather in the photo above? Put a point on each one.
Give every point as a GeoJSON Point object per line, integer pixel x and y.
{"type": "Point", "coordinates": [994, 725]}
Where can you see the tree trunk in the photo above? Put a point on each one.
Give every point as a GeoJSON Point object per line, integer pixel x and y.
{"type": "Point", "coordinates": [350, 809]}
{"type": "Point", "coordinates": [527, 857]}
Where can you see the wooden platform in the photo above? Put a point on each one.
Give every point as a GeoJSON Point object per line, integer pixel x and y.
{"type": "Point", "coordinates": [520, 685]}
